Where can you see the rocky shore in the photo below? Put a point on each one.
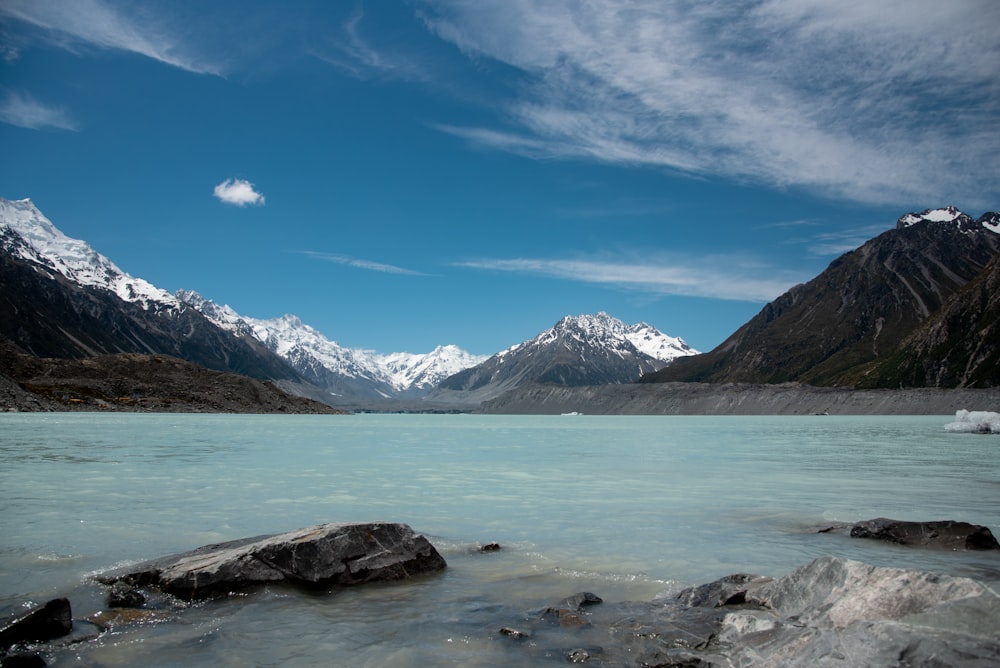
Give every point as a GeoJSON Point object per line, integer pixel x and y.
{"type": "Point", "coordinates": [829, 612]}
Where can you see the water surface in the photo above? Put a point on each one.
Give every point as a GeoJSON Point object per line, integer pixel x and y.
{"type": "Point", "coordinates": [627, 507]}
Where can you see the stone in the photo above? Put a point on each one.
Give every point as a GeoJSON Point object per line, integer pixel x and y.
{"type": "Point", "coordinates": [45, 622]}
{"type": "Point", "coordinates": [830, 612]}
{"type": "Point", "coordinates": [315, 557]}
{"type": "Point", "coordinates": [946, 535]}
{"type": "Point", "coordinates": [124, 595]}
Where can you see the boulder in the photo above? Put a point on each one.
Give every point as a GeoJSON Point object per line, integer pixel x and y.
{"type": "Point", "coordinates": [831, 612]}
{"type": "Point", "coordinates": [44, 622]}
{"type": "Point", "coordinates": [315, 557]}
{"type": "Point", "coordinates": [946, 535]}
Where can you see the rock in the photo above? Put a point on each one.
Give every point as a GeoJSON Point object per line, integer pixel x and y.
{"type": "Point", "coordinates": [52, 620]}
{"type": "Point", "coordinates": [831, 612]}
{"type": "Point", "coordinates": [313, 557]}
{"type": "Point", "coordinates": [567, 611]}
{"type": "Point", "coordinates": [947, 535]}
{"type": "Point", "coordinates": [729, 590]}
{"type": "Point", "coordinates": [490, 547]}
{"type": "Point", "coordinates": [124, 595]}
{"type": "Point", "coordinates": [22, 660]}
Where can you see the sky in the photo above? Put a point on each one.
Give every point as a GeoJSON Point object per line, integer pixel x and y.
{"type": "Point", "coordinates": [403, 174]}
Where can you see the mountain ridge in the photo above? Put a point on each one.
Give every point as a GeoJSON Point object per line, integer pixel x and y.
{"type": "Point", "coordinates": [825, 331]}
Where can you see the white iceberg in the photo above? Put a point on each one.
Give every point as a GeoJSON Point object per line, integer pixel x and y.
{"type": "Point", "coordinates": [975, 422]}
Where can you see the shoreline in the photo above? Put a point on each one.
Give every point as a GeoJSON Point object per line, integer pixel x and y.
{"type": "Point", "coordinates": [737, 399]}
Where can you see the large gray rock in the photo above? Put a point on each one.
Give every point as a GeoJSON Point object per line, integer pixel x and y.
{"type": "Point", "coordinates": [314, 557]}
{"type": "Point", "coordinates": [946, 534]}
{"type": "Point", "coordinates": [831, 612]}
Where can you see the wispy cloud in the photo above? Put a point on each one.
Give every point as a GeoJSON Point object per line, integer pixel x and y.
{"type": "Point", "coordinates": [24, 111]}
{"type": "Point", "coordinates": [362, 264]}
{"type": "Point", "coordinates": [98, 24]}
{"type": "Point", "coordinates": [238, 192]}
{"type": "Point", "coordinates": [715, 277]}
{"type": "Point", "coordinates": [878, 102]}
{"type": "Point", "coordinates": [353, 51]}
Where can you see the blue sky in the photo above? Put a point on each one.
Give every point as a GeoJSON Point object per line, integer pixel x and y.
{"type": "Point", "coordinates": [404, 174]}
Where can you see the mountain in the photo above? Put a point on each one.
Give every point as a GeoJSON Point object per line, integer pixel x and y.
{"type": "Point", "coordinates": [62, 299]}
{"type": "Point", "coordinates": [846, 326]}
{"type": "Point", "coordinates": [349, 375]}
{"type": "Point", "coordinates": [578, 350]}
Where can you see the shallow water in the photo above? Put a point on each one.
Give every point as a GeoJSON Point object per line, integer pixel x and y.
{"type": "Point", "coordinates": [626, 507]}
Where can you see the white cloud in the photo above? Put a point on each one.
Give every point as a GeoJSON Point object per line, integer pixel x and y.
{"type": "Point", "coordinates": [24, 111]}
{"type": "Point", "coordinates": [873, 101]}
{"type": "Point", "coordinates": [715, 277]}
{"type": "Point", "coordinates": [238, 192]}
{"type": "Point", "coordinates": [362, 264]}
{"type": "Point", "coordinates": [97, 23]}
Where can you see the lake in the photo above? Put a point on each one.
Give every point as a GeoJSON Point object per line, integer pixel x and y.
{"type": "Point", "coordinates": [630, 508]}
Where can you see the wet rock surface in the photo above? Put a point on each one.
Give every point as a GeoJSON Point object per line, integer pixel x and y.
{"type": "Point", "coordinates": [831, 612]}
{"type": "Point", "coordinates": [316, 557]}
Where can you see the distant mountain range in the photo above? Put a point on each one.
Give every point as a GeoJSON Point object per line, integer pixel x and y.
{"type": "Point", "coordinates": [62, 299]}
{"type": "Point", "coordinates": [916, 306]}
{"type": "Point", "coordinates": [346, 374]}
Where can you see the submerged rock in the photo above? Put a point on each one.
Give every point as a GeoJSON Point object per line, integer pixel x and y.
{"type": "Point", "coordinates": [314, 557]}
{"type": "Point", "coordinates": [946, 535]}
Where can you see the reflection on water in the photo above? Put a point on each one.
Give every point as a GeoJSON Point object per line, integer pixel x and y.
{"type": "Point", "coordinates": [627, 507]}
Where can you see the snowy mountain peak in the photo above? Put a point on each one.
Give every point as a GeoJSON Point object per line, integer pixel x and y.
{"type": "Point", "coordinates": [46, 245]}
{"type": "Point", "coordinates": [605, 331]}
{"type": "Point", "coordinates": [945, 215]}
{"type": "Point", "coordinates": [951, 215]}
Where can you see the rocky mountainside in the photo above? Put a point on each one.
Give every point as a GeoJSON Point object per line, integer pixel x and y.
{"type": "Point", "coordinates": [348, 375]}
{"type": "Point", "coordinates": [958, 346]}
{"type": "Point", "coordinates": [578, 350]}
{"type": "Point", "coordinates": [846, 326]}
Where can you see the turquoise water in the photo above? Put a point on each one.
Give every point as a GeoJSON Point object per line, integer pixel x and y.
{"type": "Point", "coordinates": [626, 507]}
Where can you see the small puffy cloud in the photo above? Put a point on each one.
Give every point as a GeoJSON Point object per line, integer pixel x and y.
{"type": "Point", "coordinates": [238, 192]}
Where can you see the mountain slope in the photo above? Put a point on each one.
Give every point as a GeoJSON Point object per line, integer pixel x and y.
{"type": "Point", "coordinates": [60, 298]}
{"type": "Point", "coordinates": [581, 350]}
{"type": "Point", "coordinates": [959, 346]}
{"type": "Point", "coordinates": [855, 312]}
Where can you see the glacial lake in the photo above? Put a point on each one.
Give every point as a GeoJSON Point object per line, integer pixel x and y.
{"type": "Point", "coordinates": [630, 508]}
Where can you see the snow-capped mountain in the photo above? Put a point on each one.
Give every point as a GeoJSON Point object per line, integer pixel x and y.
{"type": "Point", "coordinates": [578, 350]}
{"type": "Point", "coordinates": [41, 242]}
{"type": "Point", "coordinates": [61, 298]}
{"type": "Point", "coordinates": [345, 372]}
{"type": "Point", "coordinates": [609, 333]}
